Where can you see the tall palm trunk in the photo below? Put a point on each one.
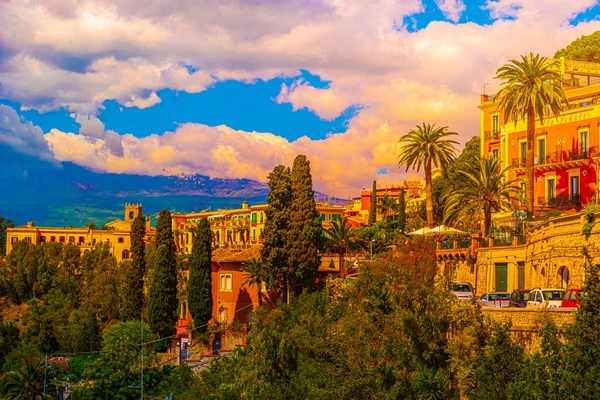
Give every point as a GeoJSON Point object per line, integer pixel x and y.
{"type": "Point", "coordinates": [429, 195]}
{"type": "Point", "coordinates": [529, 164]}
{"type": "Point", "coordinates": [487, 222]}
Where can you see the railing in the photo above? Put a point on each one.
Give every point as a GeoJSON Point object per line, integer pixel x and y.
{"type": "Point", "coordinates": [518, 162]}
{"type": "Point", "coordinates": [485, 242]}
{"type": "Point", "coordinates": [449, 244]}
{"type": "Point", "coordinates": [575, 199]}
{"type": "Point", "coordinates": [503, 241]}
{"type": "Point", "coordinates": [492, 135]}
{"type": "Point", "coordinates": [464, 244]}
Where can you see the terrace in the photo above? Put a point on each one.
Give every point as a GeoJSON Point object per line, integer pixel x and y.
{"type": "Point", "coordinates": [560, 159]}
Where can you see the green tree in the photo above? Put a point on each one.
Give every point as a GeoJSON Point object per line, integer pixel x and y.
{"type": "Point", "coordinates": [388, 206]}
{"type": "Point", "coordinates": [586, 48]}
{"type": "Point", "coordinates": [9, 339]}
{"type": "Point", "coordinates": [27, 383]}
{"type": "Point", "coordinates": [101, 282]}
{"type": "Point", "coordinates": [304, 238]}
{"type": "Point", "coordinates": [199, 286]}
{"type": "Point", "coordinates": [486, 191]}
{"type": "Point", "coordinates": [427, 146]}
{"type": "Point", "coordinates": [274, 252]}
{"type": "Point", "coordinates": [530, 89]}
{"type": "Point", "coordinates": [162, 295]}
{"type": "Point", "coordinates": [132, 299]}
{"type": "Point", "coordinates": [47, 343]}
{"type": "Point", "coordinates": [86, 331]}
{"type": "Point", "coordinates": [254, 276]}
{"type": "Point", "coordinates": [373, 206]}
{"type": "Point", "coordinates": [402, 212]}
{"type": "Point", "coordinates": [341, 237]}
{"type": "Point", "coordinates": [4, 223]}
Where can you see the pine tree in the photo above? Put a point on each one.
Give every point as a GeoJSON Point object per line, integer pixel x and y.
{"type": "Point", "coordinates": [92, 333]}
{"type": "Point", "coordinates": [199, 286]}
{"type": "Point", "coordinates": [373, 208]}
{"type": "Point", "coordinates": [132, 300]}
{"type": "Point", "coordinates": [162, 296]}
{"type": "Point", "coordinates": [47, 343]}
{"type": "Point", "coordinates": [401, 212]}
{"type": "Point", "coordinates": [305, 233]}
{"type": "Point", "coordinates": [274, 252]}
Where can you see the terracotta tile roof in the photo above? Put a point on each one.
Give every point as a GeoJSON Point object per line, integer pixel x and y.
{"type": "Point", "coordinates": [236, 256]}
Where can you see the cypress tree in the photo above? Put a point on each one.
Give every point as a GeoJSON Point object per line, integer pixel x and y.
{"type": "Point", "coordinates": [373, 208]}
{"type": "Point", "coordinates": [162, 295]}
{"type": "Point", "coordinates": [305, 233]}
{"type": "Point", "coordinates": [401, 212]}
{"type": "Point", "coordinates": [132, 300]}
{"type": "Point", "coordinates": [199, 286]}
{"type": "Point", "coordinates": [274, 253]}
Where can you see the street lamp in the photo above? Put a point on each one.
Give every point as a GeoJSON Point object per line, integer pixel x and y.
{"type": "Point", "coordinates": [371, 248]}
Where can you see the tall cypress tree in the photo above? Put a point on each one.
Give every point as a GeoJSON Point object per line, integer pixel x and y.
{"type": "Point", "coordinates": [305, 233]}
{"type": "Point", "coordinates": [401, 212]}
{"type": "Point", "coordinates": [133, 287]}
{"type": "Point", "coordinates": [47, 343]}
{"type": "Point", "coordinates": [162, 296]}
{"type": "Point", "coordinates": [199, 286]}
{"type": "Point", "coordinates": [274, 252]}
{"type": "Point", "coordinates": [373, 208]}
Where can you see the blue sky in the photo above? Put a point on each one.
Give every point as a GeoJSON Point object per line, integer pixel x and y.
{"type": "Point", "coordinates": [351, 77]}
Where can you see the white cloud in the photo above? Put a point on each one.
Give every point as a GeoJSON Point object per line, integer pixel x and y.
{"type": "Point", "coordinates": [128, 50]}
{"type": "Point", "coordinates": [452, 9]}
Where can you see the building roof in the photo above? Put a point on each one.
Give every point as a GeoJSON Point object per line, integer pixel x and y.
{"type": "Point", "coordinates": [228, 254]}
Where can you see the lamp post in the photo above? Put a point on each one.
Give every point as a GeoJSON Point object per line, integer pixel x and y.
{"type": "Point", "coordinates": [371, 249]}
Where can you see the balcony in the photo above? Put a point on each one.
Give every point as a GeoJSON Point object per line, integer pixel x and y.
{"type": "Point", "coordinates": [492, 135]}
{"type": "Point", "coordinates": [561, 200]}
{"type": "Point", "coordinates": [560, 159]}
{"type": "Point", "coordinates": [518, 163]}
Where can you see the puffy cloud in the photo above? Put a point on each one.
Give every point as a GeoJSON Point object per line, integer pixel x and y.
{"type": "Point", "coordinates": [22, 137]}
{"type": "Point", "coordinates": [327, 103]}
{"type": "Point", "coordinates": [452, 9]}
{"type": "Point", "coordinates": [128, 50]}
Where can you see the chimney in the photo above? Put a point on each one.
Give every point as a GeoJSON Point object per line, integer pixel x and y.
{"type": "Point", "coordinates": [30, 224]}
{"type": "Point", "coordinates": [244, 204]}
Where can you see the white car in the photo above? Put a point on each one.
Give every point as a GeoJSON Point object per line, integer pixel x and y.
{"type": "Point", "coordinates": [463, 291]}
{"type": "Point", "coordinates": [545, 298]}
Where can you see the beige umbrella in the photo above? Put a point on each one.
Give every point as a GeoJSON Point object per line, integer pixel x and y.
{"type": "Point", "coordinates": [422, 231]}
{"type": "Point", "coordinates": [443, 229]}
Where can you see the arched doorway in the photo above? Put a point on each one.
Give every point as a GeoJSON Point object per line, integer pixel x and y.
{"type": "Point", "coordinates": [563, 277]}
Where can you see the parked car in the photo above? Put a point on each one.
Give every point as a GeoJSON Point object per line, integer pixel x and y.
{"type": "Point", "coordinates": [495, 299]}
{"type": "Point", "coordinates": [463, 291]}
{"type": "Point", "coordinates": [545, 298]}
{"type": "Point", "coordinates": [519, 298]}
{"type": "Point", "coordinates": [572, 298]}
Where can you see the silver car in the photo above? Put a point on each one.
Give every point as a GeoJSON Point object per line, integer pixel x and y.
{"type": "Point", "coordinates": [495, 299]}
{"type": "Point", "coordinates": [463, 291]}
{"type": "Point", "coordinates": [545, 298]}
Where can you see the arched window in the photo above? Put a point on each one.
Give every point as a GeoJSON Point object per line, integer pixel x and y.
{"type": "Point", "coordinates": [563, 277]}
{"type": "Point", "coordinates": [125, 254]}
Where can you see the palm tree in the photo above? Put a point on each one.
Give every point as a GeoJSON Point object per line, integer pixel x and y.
{"type": "Point", "coordinates": [254, 276]}
{"type": "Point", "coordinates": [27, 383]}
{"type": "Point", "coordinates": [485, 192]}
{"type": "Point", "coordinates": [341, 236]}
{"type": "Point", "coordinates": [531, 88]}
{"type": "Point", "coordinates": [387, 205]}
{"type": "Point", "coordinates": [427, 146]}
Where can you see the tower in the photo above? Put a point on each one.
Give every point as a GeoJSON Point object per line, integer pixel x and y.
{"type": "Point", "coordinates": [132, 211]}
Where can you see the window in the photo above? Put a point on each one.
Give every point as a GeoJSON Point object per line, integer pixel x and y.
{"type": "Point", "coordinates": [14, 240]}
{"type": "Point", "coordinates": [125, 254]}
{"type": "Point", "coordinates": [254, 218]}
{"type": "Point", "coordinates": [28, 239]}
{"type": "Point", "coordinates": [523, 151]}
{"type": "Point", "coordinates": [53, 239]}
{"type": "Point", "coordinates": [253, 234]}
{"type": "Point", "coordinates": [42, 239]}
{"type": "Point", "coordinates": [225, 283]}
{"type": "Point", "coordinates": [495, 153]}
{"type": "Point", "coordinates": [61, 239]}
{"type": "Point", "coordinates": [71, 239]}
{"type": "Point", "coordinates": [121, 240]}
{"type": "Point", "coordinates": [551, 189]}
{"type": "Point", "coordinates": [81, 239]}
{"type": "Point", "coordinates": [262, 216]}
{"type": "Point", "coordinates": [94, 242]}
{"type": "Point", "coordinates": [495, 124]}
{"type": "Point", "coordinates": [583, 144]}
{"type": "Point", "coordinates": [323, 217]}
{"type": "Point", "coordinates": [574, 184]}
{"type": "Point", "coordinates": [541, 151]}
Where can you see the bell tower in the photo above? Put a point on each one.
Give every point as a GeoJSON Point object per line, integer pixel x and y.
{"type": "Point", "coordinates": [132, 211]}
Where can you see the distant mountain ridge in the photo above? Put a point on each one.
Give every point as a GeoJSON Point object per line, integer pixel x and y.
{"type": "Point", "coordinates": [73, 195]}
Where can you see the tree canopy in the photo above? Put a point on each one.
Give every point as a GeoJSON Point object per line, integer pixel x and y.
{"type": "Point", "coordinates": [586, 48]}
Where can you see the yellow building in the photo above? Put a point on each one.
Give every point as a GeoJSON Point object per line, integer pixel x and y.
{"type": "Point", "coordinates": [117, 236]}
{"type": "Point", "coordinates": [237, 228]}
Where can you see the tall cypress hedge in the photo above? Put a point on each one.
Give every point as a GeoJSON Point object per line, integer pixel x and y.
{"type": "Point", "coordinates": [199, 286]}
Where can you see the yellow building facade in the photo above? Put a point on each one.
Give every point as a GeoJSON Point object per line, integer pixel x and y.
{"type": "Point", "coordinates": [117, 236]}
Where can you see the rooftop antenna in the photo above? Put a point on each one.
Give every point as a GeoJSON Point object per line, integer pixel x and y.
{"type": "Point", "coordinates": [485, 85]}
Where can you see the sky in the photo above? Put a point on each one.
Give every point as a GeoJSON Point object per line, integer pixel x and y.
{"type": "Point", "coordinates": [232, 88]}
